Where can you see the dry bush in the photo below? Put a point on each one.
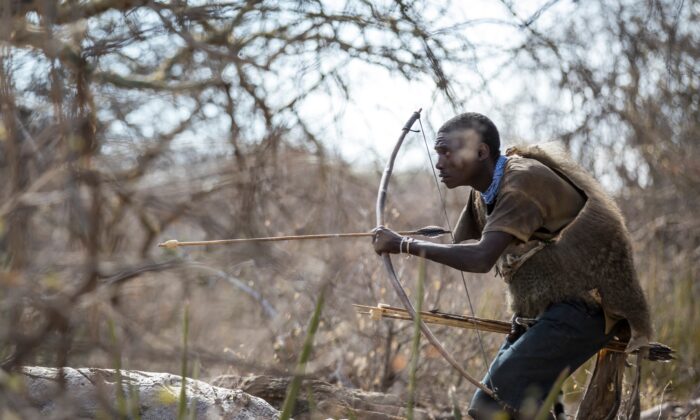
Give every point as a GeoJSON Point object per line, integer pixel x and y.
{"type": "Point", "coordinates": [125, 123]}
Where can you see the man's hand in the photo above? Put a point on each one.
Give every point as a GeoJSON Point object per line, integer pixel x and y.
{"type": "Point", "coordinates": [386, 240]}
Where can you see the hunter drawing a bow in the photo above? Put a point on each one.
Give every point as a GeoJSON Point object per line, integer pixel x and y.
{"type": "Point", "coordinates": [658, 352]}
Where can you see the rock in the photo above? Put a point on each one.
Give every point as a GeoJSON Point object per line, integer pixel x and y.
{"type": "Point", "coordinates": [92, 393]}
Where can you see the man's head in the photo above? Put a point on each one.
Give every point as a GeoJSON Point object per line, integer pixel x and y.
{"type": "Point", "coordinates": [467, 146]}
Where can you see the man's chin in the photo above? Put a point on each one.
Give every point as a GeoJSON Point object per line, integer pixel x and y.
{"type": "Point", "coordinates": [449, 184]}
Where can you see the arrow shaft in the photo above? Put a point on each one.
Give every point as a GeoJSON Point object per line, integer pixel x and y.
{"type": "Point", "coordinates": [279, 238]}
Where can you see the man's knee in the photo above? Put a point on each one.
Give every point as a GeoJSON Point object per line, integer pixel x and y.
{"type": "Point", "coordinates": [483, 407]}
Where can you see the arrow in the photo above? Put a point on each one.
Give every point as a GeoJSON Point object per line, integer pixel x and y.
{"type": "Point", "coordinates": [428, 231]}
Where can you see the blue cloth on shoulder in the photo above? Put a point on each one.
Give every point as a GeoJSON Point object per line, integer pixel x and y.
{"type": "Point", "coordinates": [490, 194]}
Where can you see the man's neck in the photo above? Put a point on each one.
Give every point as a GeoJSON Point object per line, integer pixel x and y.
{"type": "Point", "coordinates": [484, 180]}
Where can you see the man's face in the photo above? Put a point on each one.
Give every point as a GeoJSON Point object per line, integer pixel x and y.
{"type": "Point", "coordinates": [460, 157]}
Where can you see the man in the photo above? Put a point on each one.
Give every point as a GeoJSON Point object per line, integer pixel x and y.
{"type": "Point", "coordinates": [557, 240]}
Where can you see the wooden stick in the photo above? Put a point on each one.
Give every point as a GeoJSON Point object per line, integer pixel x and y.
{"type": "Point", "coordinates": [430, 231]}
{"type": "Point", "coordinates": [659, 352]}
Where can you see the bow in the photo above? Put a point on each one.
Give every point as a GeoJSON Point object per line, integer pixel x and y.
{"type": "Point", "coordinates": [393, 278]}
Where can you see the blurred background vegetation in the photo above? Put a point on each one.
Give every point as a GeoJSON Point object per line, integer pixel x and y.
{"type": "Point", "coordinates": [128, 122]}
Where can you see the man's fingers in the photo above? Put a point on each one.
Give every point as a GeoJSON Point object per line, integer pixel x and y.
{"type": "Point", "coordinates": [376, 231]}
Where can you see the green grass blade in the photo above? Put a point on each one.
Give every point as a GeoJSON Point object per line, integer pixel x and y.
{"type": "Point", "coordinates": [121, 398]}
{"type": "Point", "coordinates": [456, 411]}
{"type": "Point", "coordinates": [182, 403]}
{"type": "Point", "coordinates": [293, 389]}
{"type": "Point", "coordinates": [543, 413]}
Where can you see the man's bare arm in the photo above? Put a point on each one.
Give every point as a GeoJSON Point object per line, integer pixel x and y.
{"type": "Point", "coordinates": [477, 257]}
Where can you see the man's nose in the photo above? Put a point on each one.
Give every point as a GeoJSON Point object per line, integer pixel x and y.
{"type": "Point", "coordinates": [439, 164]}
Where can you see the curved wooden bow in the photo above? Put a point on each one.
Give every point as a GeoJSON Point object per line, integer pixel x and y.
{"type": "Point", "coordinates": [393, 278]}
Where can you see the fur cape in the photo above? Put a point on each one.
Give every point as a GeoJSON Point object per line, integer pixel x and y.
{"type": "Point", "coordinates": [593, 252]}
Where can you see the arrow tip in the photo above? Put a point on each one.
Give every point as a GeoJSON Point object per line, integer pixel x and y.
{"type": "Point", "coordinates": [173, 243]}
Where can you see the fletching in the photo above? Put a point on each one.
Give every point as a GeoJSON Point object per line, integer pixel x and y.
{"type": "Point", "coordinates": [432, 231]}
{"type": "Point", "coordinates": [660, 352]}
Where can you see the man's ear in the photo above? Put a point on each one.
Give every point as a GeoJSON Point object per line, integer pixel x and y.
{"type": "Point", "coordinates": [484, 151]}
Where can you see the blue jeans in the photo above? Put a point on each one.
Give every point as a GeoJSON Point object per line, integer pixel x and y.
{"type": "Point", "coordinates": [565, 335]}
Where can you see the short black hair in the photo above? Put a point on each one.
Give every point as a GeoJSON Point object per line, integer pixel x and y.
{"type": "Point", "coordinates": [479, 123]}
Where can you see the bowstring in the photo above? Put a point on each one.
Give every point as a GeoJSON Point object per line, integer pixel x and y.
{"type": "Point", "coordinates": [449, 226]}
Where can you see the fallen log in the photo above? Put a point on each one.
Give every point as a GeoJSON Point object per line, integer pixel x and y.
{"type": "Point", "coordinates": [322, 400]}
